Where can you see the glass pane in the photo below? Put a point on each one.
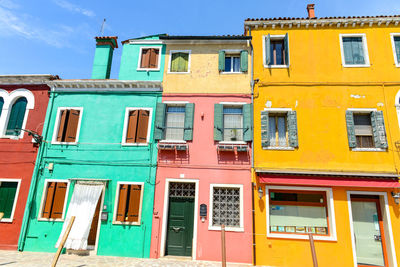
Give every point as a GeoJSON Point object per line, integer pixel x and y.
{"type": "Point", "coordinates": [358, 50]}
{"type": "Point", "coordinates": [175, 122]}
{"type": "Point", "coordinates": [236, 64]}
{"type": "Point", "coordinates": [298, 197]}
{"type": "Point", "coordinates": [282, 131]}
{"type": "Point", "coordinates": [367, 233]}
{"type": "Point", "coordinates": [233, 124]}
{"type": "Point", "coordinates": [278, 47]}
{"type": "Point", "coordinates": [347, 50]}
{"type": "Point", "coordinates": [362, 119]}
{"type": "Point", "coordinates": [272, 131]}
{"type": "Point", "coordinates": [228, 64]}
{"type": "Point", "coordinates": [397, 47]}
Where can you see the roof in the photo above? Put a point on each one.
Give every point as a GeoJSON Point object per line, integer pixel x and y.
{"type": "Point", "coordinates": [206, 37]}
{"type": "Point", "coordinates": [27, 78]}
{"type": "Point", "coordinates": [322, 18]}
{"type": "Point", "coordinates": [144, 37]}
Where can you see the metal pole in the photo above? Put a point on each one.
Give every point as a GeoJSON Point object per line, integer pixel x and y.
{"type": "Point", "coordinates": [223, 247]}
{"type": "Point", "coordinates": [60, 247]}
{"type": "Point", "coordinates": [314, 255]}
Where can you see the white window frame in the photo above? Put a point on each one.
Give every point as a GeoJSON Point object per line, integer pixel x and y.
{"type": "Point", "coordinates": [232, 104]}
{"type": "Point", "coordinates": [116, 203]}
{"type": "Point", "coordinates": [365, 48]}
{"type": "Point", "coordinates": [125, 129]}
{"type": "Point", "coordinates": [174, 103]}
{"type": "Point", "coordinates": [189, 52]}
{"type": "Point", "coordinates": [329, 203]}
{"type": "Point", "coordinates": [392, 35]}
{"type": "Point", "coordinates": [281, 111]}
{"type": "Point", "coordinates": [57, 126]}
{"type": "Point", "coordinates": [9, 100]}
{"type": "Point", "coordinates": [231, 53]}
{"type": "Point", "coordinates": [275, 37]}
{"type": "Point", "coordinates": [140, 58]}
{"type": "Point", "coordinates": [44, 196]}
{"type": "Point", "coordinates": [18, 181]}
{"type": "Point", "coordinates": [227, 228]}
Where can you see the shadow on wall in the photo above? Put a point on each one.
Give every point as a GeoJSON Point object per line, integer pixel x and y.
{"type": "Point", "coordinates": [234, 157]}
{"type": "Point", "coordinates": [174, 156]}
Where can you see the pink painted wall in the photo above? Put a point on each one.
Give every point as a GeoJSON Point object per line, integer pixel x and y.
{"type": "Point", "coordinates": [203, 162]}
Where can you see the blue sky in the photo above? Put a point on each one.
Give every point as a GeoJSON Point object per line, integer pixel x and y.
{"type": "Point", "coordinates": [56, 36]}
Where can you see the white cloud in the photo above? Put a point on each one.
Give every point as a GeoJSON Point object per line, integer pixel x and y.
{"type": "Point", "coordinates": [8, 4]}
{"type": "Point", "coordinates": [74, 8]}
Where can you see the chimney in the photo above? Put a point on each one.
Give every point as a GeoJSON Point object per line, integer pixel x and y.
{"type": "Point", "coordinates": [103, 56]}
{"type": "Point", "coordinates": [310, 10]}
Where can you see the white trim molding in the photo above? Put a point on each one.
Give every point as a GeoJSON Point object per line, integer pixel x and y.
{"type": "Point", "coordinates": [140, 58]}
{"type": "Point", "coordinates": [392, 35]}
{"type": "Point", "coordinates": [275, 37]}
{"type": "Point", "coordinates": [44, 195]}
{"type": "Point", "coordinates": [330, 206]}
{"type": "Point", "coordinates": [125, 129]}
{"type": "Point", "coordinates": [18, 181]}
{"type": "Point", "coordinates": [365, 50]}
{"type": "Point", "coordinates": [189, 52]}
{"type": "Point", "coordinates": [116, 203]}
{"type": "Point", "coordinates": [57, 126]}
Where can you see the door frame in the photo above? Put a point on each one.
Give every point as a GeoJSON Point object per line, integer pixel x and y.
{"type": "Point", "coordinates": [387, 225]}
{"type": "Point", "coordinates": [96, 245]}
{"type": "Point", "coordinates": [166, 212]}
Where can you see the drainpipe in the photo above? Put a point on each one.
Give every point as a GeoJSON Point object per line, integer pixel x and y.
{"type": "Point", "coordinates": [36, 170]}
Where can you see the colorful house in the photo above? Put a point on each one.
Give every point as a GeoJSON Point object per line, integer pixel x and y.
{"type": "Point", "coordinates": [23, 102]}
{"type": "Point", "coordinates": [204, 132]}
{"type": "Point", "coordinates": [98, 164]}
{"type": "Point", "coordinates": [326, 140]}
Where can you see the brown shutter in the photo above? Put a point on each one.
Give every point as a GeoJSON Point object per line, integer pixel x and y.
{"type": "Point", "coordinates": [134, 203]}
{"type": "Point", "coordinates": [58, 201]}
{"type": "Point", "coordinates": [132, 126]}
{"type": "Point", "coordinates": [143, 124]}
{"type": "Point", "coordinates": [154, 58]}
{"type": "Point", "coordinates": [61, 125]}
{"type": "Point", "coordinates": [72, 126]}
{"type": "Point", "coordinates": [123, 192]}
{"type": "Point", "coordinates": [144, 62]}
{"type": "Point", "coordinates": [49, 199]}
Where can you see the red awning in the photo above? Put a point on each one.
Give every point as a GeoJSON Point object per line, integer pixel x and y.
{"type": "Point", "coordinates": [329, 181]}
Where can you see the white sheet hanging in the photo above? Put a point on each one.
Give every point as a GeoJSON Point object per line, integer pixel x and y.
{"type": "Point", "coordinates": [82, 206]}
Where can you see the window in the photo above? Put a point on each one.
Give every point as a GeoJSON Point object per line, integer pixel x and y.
{"type": "Point", "coordinates": [1, 105]}
{"type": "Point", "coordinates": [17, 116]}
{"type": "Point", "coordinates": [279, 129]}
{"type": "Point", "coordinates": [128, 203]}
{"type": "Point", "coordinates": [226, 207]}
{"type": "Point", "coordinates": [354, 50]}
{"type": "Point", "coordinates": [298, 212]}
{"type": "Point", "coordinates": [233, 61]}
{"type": "Point", "coordinates": [366, 129]}
{"type": "Point", "coordinates": [174, 121]}
{"type": "Point", "coordinates": [179, 61]}
{"type": "Point", "coordinates": [276, 50]}
{"type": "Point", "coordinates": [396, 47]}
{"type": "Point", "coordinates": [54, 200]}
{"type": "Point", "coordinates": [67, 125]}
{"type": "Point", "coordinates": [8, 198]}
{"type": "Point", "coordinates": [149, 58]}
{"type": "Point", "coordinates": [233, 123]}
{"type": "Point", "coordinates": [136, 129]}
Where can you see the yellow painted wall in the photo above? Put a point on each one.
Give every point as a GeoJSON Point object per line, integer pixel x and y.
{"type": "Point", "coordinates": [204, 76]}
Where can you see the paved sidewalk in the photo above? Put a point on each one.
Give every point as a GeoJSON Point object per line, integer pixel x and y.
{"type": "Point", "coordinates": [40, 259]}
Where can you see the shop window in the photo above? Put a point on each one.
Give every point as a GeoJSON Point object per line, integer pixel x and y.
{"type": "Point", "coordinates": [53, 205]}
{"type": "Point", "coordinates": [8, 197]}
{"type": "Point", "coordinates": [68, 125]}
{"type": "Point", "coordinates": [136, 126]}
{"type": "Point", "coordinates": [129, 203]}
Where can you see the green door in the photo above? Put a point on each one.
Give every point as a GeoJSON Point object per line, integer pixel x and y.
{"type": "Point", "coordinates": [180, 226]}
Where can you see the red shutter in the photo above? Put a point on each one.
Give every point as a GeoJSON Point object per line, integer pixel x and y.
{"type": "Point", "coordinates": [134, 203]}
{"type": "Point", "coordinates": [61, 125]}
{"type": "Point", "coordinates": [49, 199]}
{"type": "Point", "coordinates": [154, 58]}
{"type": "Point", "coordinates": [58, 201]}
{"type": "Point", "coordinates": [145, 61]}
{"type": "Point", "coordinates": [132, 126]}
{"type": "Point", "coordinates": [72, 125]}
{"type": "Point", "coordinates": [143, 124]}
{"type": "Point", "coordinates": [123, 192]}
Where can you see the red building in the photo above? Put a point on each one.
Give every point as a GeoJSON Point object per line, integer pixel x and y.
{"type": "Point", "coordinates": [23, 104]}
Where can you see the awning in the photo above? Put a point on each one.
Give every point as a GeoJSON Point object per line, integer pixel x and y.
{"type": "Point", "coordinates": [328, 181]}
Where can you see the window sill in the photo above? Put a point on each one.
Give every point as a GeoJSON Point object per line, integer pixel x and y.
{"type": "Point", "coordinates": [369, 150]}
{"type": "Point", "coordinates": [6, 220]}
{"type": "Point", "coordinates": [176, 72]}
{"type": "Point", "coordinates": [228, 73]}
{"type": "Point", "coordinates": [134, 144]}
{"type": "Point", "coordinates": [125, 223]}
{"type": "Point", "coordinates": [139, 69]}
{"type": "Point", "coordinates": [276, 66]}
{"type": "Point", "coordinates": [279, 148]}
{"type": "Point", "coordinates": [227, 229]}
{"type": "Point", "coordinates": [173, 141]}
{"type": "Point", "coordinates": [303, 237]}
{"type": "Point", "coordinates": [232, 143]}
{"type": "Point", "coordinates": [356, 66]}
{"type": "Point", "coordinates": [50, 220]}
{"type": "Point", "coordinates": [12, 137]}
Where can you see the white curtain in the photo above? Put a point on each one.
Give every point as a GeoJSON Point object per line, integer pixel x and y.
{"type": "Point", "coordinates": [282, 131]}
{"type": "Point", "coordinates": [82, 206]}
{"type": "Point", "coordinates": [272, 131]}
{"type": "Point", "coordinates": [175, 120]}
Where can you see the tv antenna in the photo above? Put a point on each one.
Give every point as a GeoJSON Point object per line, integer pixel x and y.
{"type": "Point", "coordinates": [102, 27]}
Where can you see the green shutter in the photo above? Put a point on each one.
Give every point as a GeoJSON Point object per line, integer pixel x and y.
{"type": "Point", "coordinates": [247, 122]}
{"type": "Point", "coordinates": [286, 43]}
{"type": "Point", "coordinates": [16, 117]}
{"type": "Point", "coordinates": [267, 45]}
{"type": "Point", "coordinates": [264, 129]}
{"type": "Point", "coordinates": [1, 105]}
{"type": "Point", "coordinates": [244, 55]}
{"type": "Point", "coordinates": [378, 129]}
{"type": "Point", "coordinates": [218, 122]}
{"type": "Point", "coordinates": [7, 196]}
{"type": "Point", "coordinates": [221, 60]}
{"type": "Point", "coordinates": [351, 135]}
{"type": "Point", "coordinates": [189, 118]}
{"type": "Point", "coordinates": [159, 124]}
{"type": "Point", "coordinates": [292, 128]}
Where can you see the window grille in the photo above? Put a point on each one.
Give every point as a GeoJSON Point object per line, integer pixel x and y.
{"type": "Point", "coordinates": [182, 190]}
{"type": "Point", "coordinates": [226, 207]}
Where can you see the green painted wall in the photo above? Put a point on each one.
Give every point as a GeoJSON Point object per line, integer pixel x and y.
{"type": "Point", "coordinates": [99, 154]}
{"type": "Point", "coordinates": [102, 62]}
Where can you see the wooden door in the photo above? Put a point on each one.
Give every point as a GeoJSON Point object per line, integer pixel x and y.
{"type": "Point", "coordinates": [93, 227]}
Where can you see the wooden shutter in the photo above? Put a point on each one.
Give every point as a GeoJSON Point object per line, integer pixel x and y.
{"type": "Point", "coordinates": [247, 122]}
{"type": "Point", "coordinates": [72, 126]}
{"type": "Point", "coordinates": [189, 119]}
{"type": "Point", "coordinates": [16, 117]}
{"type": "Point", "coordinates": [58, 200]}
{"type": "Point", "coordinates": [244, 56]}
{"type": "Point", "coordinates": [1, 105]}
{"type": "Point", "coordinates": [264, 129]}
{"type": "Point", "coordinates": [221, 60]}
{"type": "Point", "coordinates": [218, 122]}
{"type": "Point", "coordinates": [184, 64]}
{"type": "Point", "coordinates": [267, 44]}
{"type": "Point", "coordinates": [145, 60]}
{"type": "Point", "coordinates": [378, 129]}
{"type": "Point", "coordinates": [351, 135]}
{"type": "Point", "coordinates": [292, 129]}
{"type": "Point", "coordinates": [61, 126]}
{"type": "Point", "coordinates": [132, 126]}
{"type": "Point", "coordinates": [123, 193]}
{"type": "Point", "coordinates": [134, 203]}
{"type": "Point", "coordinates": [51, 188]}
{"type": "Point", "coordinates": [286, 43]}
{"type": "Point", "coordinates": [174, 62]}
{"type": "Point", "coordinates": [143, 125]}
{"type": "Point", "coordinates": [7, 196]}
{"type": "Point", "coordinates": [153, 58]}
{"type": "Point", "coordinates": [159, 123]}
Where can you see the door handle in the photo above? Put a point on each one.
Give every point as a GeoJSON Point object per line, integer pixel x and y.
{"type": "Point", "coordinates": [377, 238]}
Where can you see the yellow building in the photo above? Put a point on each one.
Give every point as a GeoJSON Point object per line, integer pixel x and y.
{"type": "Point", "coordinates": [326, 140]}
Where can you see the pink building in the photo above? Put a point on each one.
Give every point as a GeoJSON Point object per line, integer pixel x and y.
{"type": "Point", "coordinates": [204, 128]}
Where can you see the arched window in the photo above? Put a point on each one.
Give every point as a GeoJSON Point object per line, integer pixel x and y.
{"type": "Point", "coordinates": [1, 105]}
{"type": "Point", "coordinates": [17, 115]}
